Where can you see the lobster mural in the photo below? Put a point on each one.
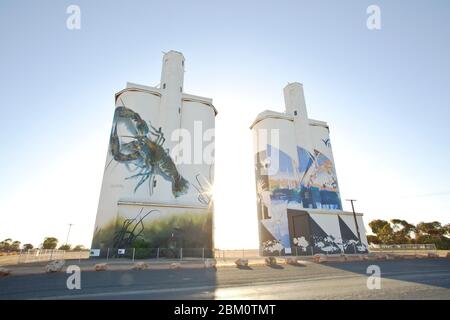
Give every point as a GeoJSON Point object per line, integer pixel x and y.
{"type": "Point", "coordinates": [145, 151]}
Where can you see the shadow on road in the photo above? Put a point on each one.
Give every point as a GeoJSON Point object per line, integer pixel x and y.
{"type": "Point", "coordinates": [208, 283]}
{"type": "Point", "coordinates": [244, 267]}
{"type": "Point", "coordinates": [433, 272]}
{"type": "Point", "coordinates": [298, 265]}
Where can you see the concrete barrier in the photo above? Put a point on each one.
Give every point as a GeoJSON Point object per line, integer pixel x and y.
{"type": "Point", "coordinates": [342, 258]}
{"type": "Point", "coordinates": [101, 267]}
{"type": "Point", "coordinates": [371, 256]}
{"type": "Point", "coordinates": [353, 258]}
{"type": "Point", "coordinates": [334, 258]}
{"type": "Point", "coordinates": [291, 260]}
{"type": "Point", "coordinates": [270, 261]}
{"type": "Point", "coordinates": [241, 262]}
{"type": "Point", "coordinates": [55, 266]}
{"type": "Point", "coordinates": [320, 258]}
{"type": "Point", "coordinates": [381, 257]}
{"type": "Point", "coordinates": [4, 272]}
{"type": "Point", "coordinates": [140, 266]}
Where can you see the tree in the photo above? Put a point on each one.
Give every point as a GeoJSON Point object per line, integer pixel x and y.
{"type": "Point", "coordinates": [431, 228]}
{"type": "Point", "coordinates": [399, 231]}
{"type": "Point", "coordinates": [79, 247]}
{"type": "Point", "coordinates": [50, 243]}
{"type": "Point", "coordinates": [383, 231]}
{"type": "Point", "coordinates": [373, 239]}
{"type": "Point", "coordinates": [402, 231]}
{"type": "Point", "coordinates": [433, 233]}
{"type": "Point", "coordinates": [15, 246]}
{"type": "Point", "coordinates": [5, 244]}
{"type": "Point", "coordinates": [65, 247]}
{"type": "Point", "coordinates": [377, 225]}
{"type": "Point", "coordinates": [9, 245]}
{"type": "Point", "coordinates": [28, 246]}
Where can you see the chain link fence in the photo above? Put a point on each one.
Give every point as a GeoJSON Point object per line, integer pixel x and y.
{"type": "Point", "coordinates": [41, 255]}
{"type": "Point", "coordinates": [152, 253]}
{"type": "Point", "coordinates": [196, 253]}
{"type": "Point", "coordinates": [408, 246]}
{"type": "Point", "coordinates": [186, 254]}
{"type": "Point", "coordinates": [404, 249]}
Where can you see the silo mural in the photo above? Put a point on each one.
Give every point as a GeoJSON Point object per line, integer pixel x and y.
{"type": "Point", "coordinates": [298, 199]}
{"type": "Point", "coordinates": [155, 191]}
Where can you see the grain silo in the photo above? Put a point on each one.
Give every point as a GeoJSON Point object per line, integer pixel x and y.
{"type": "Point", "coordinates": [159, 171]}
{"type": "Point", "coordinates": [298, 200]}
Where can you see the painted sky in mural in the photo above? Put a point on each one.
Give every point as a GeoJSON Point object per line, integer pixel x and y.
{"type": "Point", "coordinates": [309, 181]}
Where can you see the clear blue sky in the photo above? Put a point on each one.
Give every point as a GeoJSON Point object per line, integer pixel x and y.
{"type": "Point", "coordinates": [385, 95]}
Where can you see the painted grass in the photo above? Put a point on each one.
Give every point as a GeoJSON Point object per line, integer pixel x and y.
{"type": "Point", "coordinates": [192, 230]}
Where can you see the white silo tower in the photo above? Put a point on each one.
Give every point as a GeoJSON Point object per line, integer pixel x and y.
{"type": "Point", "coordinates": [150, 195]}
{"type": "Point", "coordinates": [298, 199]}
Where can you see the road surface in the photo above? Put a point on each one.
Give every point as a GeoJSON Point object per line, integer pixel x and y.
{"type": "Point", "coordinates": [401, 279]}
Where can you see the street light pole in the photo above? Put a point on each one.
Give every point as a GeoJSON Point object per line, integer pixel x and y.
{"type": "Point", "coordinates": [68, 232]}
{"type": "Point", "coordinates": [354, 217]}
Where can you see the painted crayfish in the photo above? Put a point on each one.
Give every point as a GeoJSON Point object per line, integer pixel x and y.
{"type": "Point", "coordinates": [145, 151]}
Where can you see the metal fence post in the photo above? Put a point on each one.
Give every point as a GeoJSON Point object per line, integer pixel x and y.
{"type": "Point", "coordinates": [107, 255]}
{"type": "Point", "coordinates": [354, 248]}
{"type": "Point", "coordinates": [181, 253]}
{"type": "Point", "coordinates": [134, 250]}
{"type": "Point", "coordinates": [203, 253]}
{"type": "Point", "coordinates": [157, 254]}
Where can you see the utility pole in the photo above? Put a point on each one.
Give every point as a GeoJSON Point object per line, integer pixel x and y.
{"type": "Point", "coordinates": [68, 232]}
{"type": "Point", "coordinates": [354, 217]}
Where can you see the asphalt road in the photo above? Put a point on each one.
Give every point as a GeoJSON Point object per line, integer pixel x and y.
{"type": "Point", "coordinates": [401, 279]}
